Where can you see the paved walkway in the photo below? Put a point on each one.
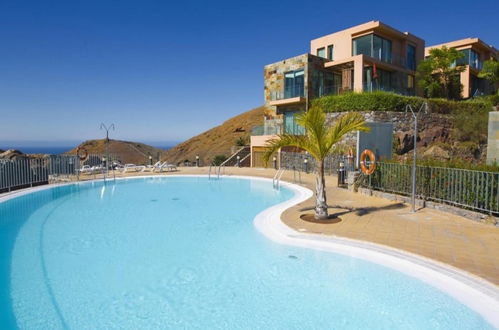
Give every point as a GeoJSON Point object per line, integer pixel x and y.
{"type": "Point", "coordinates": [454, 240]}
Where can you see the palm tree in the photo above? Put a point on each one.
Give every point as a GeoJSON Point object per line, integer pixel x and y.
{"type": "Point", "coordinates": [319, 140]}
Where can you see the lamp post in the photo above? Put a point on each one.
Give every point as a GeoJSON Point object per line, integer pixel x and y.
{"type": "Point", "coordinates": [305, 163]}
{"type": "Point", "coordinates": [197, 160]}
{"type": "Point", "coordinates": [424, 108]}
{"type": "Point", "coordinates": [275, 162]}
{"type": "Point", "coordinates": [150, 160]}
{"type": "Point", "coordinates": [107, 129]}
{"type": "Point", "coordinates": [238, 160]}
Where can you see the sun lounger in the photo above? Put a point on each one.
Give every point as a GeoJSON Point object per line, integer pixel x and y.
{"type": "Point", "coordinates": [151, 168]}
{"type": "Point", "coordinates": [132, 168]}
{"type": "Point", "coordinates": [86, 169]}
{"type": "Point", "coordinates": [167, 167]}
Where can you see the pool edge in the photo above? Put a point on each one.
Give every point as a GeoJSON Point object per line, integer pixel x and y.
{"type": "Point", "coordinates": [472, 291]}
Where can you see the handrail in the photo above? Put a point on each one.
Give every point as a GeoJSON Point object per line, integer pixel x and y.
{"type": "Point", "coordinates": [232, 156]}
{"type": "Point", "coordinates": [277, 177]}
{"type": "Point", "coordinates": [244, 158]}
{"type": "Point", "coordinates": [294, 176]}
{"type": "Point", "coordinates": [218, 170]}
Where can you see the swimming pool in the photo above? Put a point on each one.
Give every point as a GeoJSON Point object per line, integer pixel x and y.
{"type": "Point", "coordinates": [183, 252]}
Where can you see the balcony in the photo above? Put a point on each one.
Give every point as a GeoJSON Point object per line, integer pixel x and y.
{"type": "Point", "coordinates": [270, 127]}
{"type": "Point", "coordinates": [289, 95]}
{"type": "Point", "coordinates": [329, 90]}
{"type": "Point", "coordinates": [373, 87]}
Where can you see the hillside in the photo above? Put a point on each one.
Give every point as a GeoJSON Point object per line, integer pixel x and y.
{"type": "Point", "coordinates": [216, 141]}
{"type": "Point", "coordinates": [127, 152]}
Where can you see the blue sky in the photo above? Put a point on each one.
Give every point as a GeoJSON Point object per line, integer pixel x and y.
{"type": "Point", "coordinates": [167, 70]}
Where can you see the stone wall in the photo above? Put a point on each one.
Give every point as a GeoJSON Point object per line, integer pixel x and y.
{"type": "Point", "coordinates": [274, 74]}
{"type": "Point", "coordinates": [431, 127]}
{"type": "Point", "coordinates": [493, 138]}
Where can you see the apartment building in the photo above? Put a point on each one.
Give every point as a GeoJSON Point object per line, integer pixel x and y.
{"type": "Point", "coordinates": [475, 53]}
{"type": "Point", "coordinates": [366, 57]}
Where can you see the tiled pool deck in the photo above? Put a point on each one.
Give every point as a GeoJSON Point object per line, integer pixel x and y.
{"type": "Point", "coordinates": [448, 238]}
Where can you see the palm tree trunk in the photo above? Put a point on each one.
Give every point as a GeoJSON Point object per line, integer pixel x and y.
{"type": "Point", "coordinates": [320, 201]}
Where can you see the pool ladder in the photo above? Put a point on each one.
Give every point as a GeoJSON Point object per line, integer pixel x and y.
{"type": "Point", "coordinates": [276, 181]}
{"type": "Point", "coordinates": [219, 170]}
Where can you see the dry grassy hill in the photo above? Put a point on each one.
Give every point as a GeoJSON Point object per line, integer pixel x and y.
{"type": "Point", "coordinates": [127, 152]}
{"type": "Point", "coordinates": [216, 141]}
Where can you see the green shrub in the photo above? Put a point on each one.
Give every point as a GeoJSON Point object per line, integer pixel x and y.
{"type": "Point", "coordinates": [384, 101]}
{"type": "Point", "coordinates": [219, 159]}
{"type": "Point", "coordinates": [471, 124]}
{"type": "Point", "coordinates": [241, 141]}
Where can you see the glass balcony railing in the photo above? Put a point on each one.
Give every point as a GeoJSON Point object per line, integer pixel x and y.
{"type": "Point", "coordinates": [270, 127]}
{"type": "Point", "coordinates": [328, 90]}
{"type": "Point", "coordinates": [373, 87]}
{"type": "Point", "coordinates": [287, 93]}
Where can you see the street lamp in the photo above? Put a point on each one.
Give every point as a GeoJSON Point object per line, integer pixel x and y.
{"type": "Point", "coordinates": [275, 162]}
{"type": "Point", "coordinates": [197, 160]}
{"type": "Point", "coordinates": [107, 129]}
{"type": "Point", "coordinates": [238, 159]}
{"type": "Point", "coordinates": [424, 109]}
{"type": "Point", "coordinates": [150, 160]}
{"type": "Point", "coordinates": [305, 163]}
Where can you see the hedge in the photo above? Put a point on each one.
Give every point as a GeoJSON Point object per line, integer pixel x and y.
{"type": "Point", "coordinates": [384, 101]}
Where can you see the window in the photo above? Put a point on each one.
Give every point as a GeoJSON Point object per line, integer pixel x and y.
{"type": "Point", "coordinates": [293, 84]}
{"type": "Point", "coordinates": [411, 57]}
{"type": "Point", "coordinates": [362, 45]}
{"type": "Point", "coordinates": [321, 52]}
{"type": "Point", "coordinates": [475, 60]}
{"type": "Point", "coordinates": [290, 124]}
{"type": "Point", "coordinates": [381, 80]}
{"type": "Point", "coordinates": [471, 58]}
{"type": "Point", "coordinates": [374, 46]}
{"type": "Point", "coordinates": [410, 81]}
{"type": "Point", "coordinates": [330, 53]}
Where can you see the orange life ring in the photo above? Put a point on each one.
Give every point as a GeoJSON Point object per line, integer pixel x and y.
{"type": "Point", "coordinates": [83, 157]}
{"type": "Point", "coordinates": [372, 162]}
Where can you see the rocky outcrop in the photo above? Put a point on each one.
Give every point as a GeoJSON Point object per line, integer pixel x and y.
{"type": "Point", "coordinates": [124, 151]}
{"type": "Point", "coordinates": [437, 152]}
{"type": "Point", "coordinates": [433, 130]}
{"type": "Point", "coordinates": [12, 154]}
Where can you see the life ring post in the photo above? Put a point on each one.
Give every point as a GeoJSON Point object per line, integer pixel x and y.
{"type": "Point", "coordinates": [82, 154]}
{"type": "Point", "coordinates": [367, 168]}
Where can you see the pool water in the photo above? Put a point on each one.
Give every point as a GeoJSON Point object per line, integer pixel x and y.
{"type": "Point", "coordinates": [182, 252]}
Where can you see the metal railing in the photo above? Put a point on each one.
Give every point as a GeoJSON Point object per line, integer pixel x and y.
{"type": "Point", "coordinates": [22, 173]}
{"type": "Point", "coordinates": [475, 190]}
{"type": "Point", "coordinates": [276, 180]}
{"type": "Point", "coordinates": [27, 172]}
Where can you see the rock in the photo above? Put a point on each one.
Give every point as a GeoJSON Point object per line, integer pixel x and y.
{"type": "Point", "coordinates": [437, 152]}
{"type": "Point", "coordinates": [11, 154]}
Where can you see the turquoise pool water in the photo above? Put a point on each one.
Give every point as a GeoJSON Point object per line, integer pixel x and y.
{"type": "Point", "coordinates": [182, 253]}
